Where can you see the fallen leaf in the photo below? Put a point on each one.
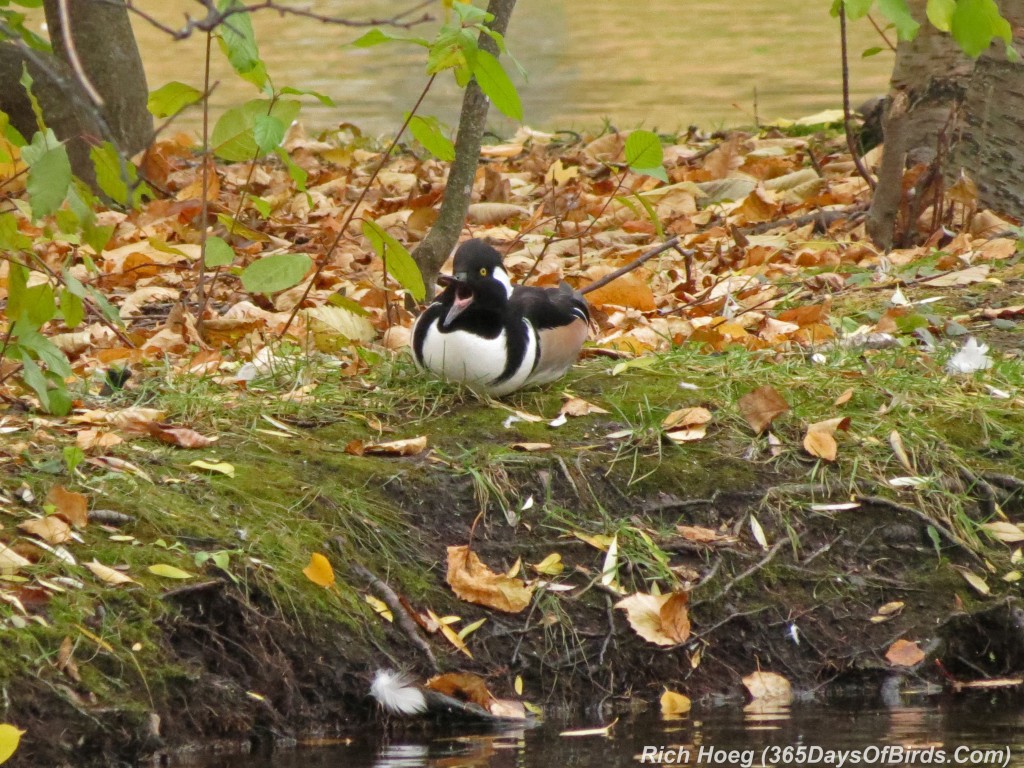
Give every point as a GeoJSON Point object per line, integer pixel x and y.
{"type": "Point", "coordinates": [167, 571]}
{"type": "Point", "coordinates": [762, 406]}
{"type": "Point", "coordinates": [551, 565]}
{"type": "Point", "coordinates": [531, 447]}
{"type": "Point", "coordinates": [904, 653]}
{"type": "Point", "coordinates": [844, 398]}
{"type": "Point", "coordinates": [449, 634]}
{"type": "Point", "coordinates": [758, 532]}
{"type": "Point", "coordinates": [702, 535]}
{"type": "Point", "coordinates": [686, 417]}
{"type": "Point", "coordinates": [576, 406]}
{"type": "Point", "coordinates": [10, 561]}
{"type": "Point", "coordinates": [52, 529]}
{"type": "Point", "coordinates": [408, 447]}
{"type": "Point", "coordinates": [214, 466]}
{"type": "Point", "coordinates": [898, 449]}
{"type": "Point", "coordinates": [890, 609]}
{"type": "Point", "coordinates": [379, 606]}
{"type": "Point", "coordinates": [1003, 531]}
{"type": "Point", "coordinates": [979, 584]}
{"type": "Point", "coordinates": [687, 435]}
{"type": "Point", "coordinates": [645, 616]}
{"type": "Point", "coordinates": [474, 582]}
{"type": "Point", "coordinates": [97, 440]}
{"type": "Point", "coordinates": [673, 703]}
{"type": "Point", "coordinates": [319, 570]}
{"type": "Point", "coordinates": [603, 731]}
{"type": "Point", "coordinates": [73, 507]}
{"type": "Point", "coordinates": [464, 686]}
{"type": "Point", "coordinates": [108, 575]}
{"type": "Point", "coordinates": [821, 445]}
{"type": "Point", "coordinates": [183, 437]}
{"type": "Point", "coordinates": [9, 739]}
{"type": "Point", "coordinates": [768, 687]}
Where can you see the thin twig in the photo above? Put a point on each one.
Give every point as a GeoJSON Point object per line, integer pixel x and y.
{"type": "Point", "coordinates": [72, 51]}
{"type": "Point", "coordinates": [847, 117]}
{"type": "Point", "coordinates": [638, 261]}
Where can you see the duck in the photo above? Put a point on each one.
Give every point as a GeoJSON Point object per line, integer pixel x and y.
{"type": "Point", "coordinates": [494, 336]}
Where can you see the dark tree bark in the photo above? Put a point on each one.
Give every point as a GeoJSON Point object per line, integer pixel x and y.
{"type": "Point", "coordinates": [444, 235]}
{"type": "Point", "coordinates": [968, 114]}
{"type": "Point", "coordinates": [109, 56]}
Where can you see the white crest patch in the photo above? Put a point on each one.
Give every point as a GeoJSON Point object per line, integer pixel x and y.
{"type": "Point", "coordinates": [502, 277]}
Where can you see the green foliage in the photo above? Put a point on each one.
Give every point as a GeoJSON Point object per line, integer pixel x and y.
{"type": "Point", "coordinates": [940, 14]}
{"type": "Point", "coordinates": [49, 173]}
{"type": "Point", "coordinates": [976, 23]}
{"type": "Point", "coordinates": [238, 42]}
{"type": "Point", "coordinates": [399, 263]}
{"type": "Point", "coordinates": [218, 252]}
{"type": "Point", "coordinates": [234, 136]}
{"type": "Point", "coordinates": [277, 272]}
{"type": "Point", "coordinates": [427, 132]}
{"type": "Point", "coordinates": [171, 98]}
{"type": "Point", "coordinates": [496, 84]}
{"type": "Point", "coordinates": [644, 154]}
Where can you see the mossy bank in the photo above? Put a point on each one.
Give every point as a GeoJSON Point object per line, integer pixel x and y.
{"type": "Point", "coordinates": [247, 649]}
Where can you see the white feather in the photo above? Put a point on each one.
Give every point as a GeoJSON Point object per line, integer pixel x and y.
{"type": "Point", "coordinates": [971, 357]}
{"type": "Point", "coordinates": [396, 692]}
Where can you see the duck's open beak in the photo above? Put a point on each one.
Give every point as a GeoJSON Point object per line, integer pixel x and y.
{"type": "Point", "coordinates": [463, 296]}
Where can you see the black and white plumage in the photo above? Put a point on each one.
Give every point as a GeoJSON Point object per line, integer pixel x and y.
{"type": "Point", "coordinates": [494, 336]}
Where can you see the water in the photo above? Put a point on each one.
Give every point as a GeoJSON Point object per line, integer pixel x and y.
{"type": "Point", "coordinates": [662, 64]}
{"type": "Point", "coordinates": [969, 731]}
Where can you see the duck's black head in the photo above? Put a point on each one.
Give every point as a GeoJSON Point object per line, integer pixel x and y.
{"type": "Point", "coordinates": [479, 285]}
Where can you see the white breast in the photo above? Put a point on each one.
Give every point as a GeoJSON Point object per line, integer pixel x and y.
{"type": "Point", "coordinates": [475, 361]}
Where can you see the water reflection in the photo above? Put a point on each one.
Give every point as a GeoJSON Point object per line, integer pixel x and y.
{"type": "Point", "coordinates": [966, 731]}
{"type": "Point", "coordinates": [660, 63]}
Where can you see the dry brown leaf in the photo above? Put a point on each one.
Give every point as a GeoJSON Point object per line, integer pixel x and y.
{"type": "Point", "coordinates": [821, 445]}
{"type": "Point", "coordinates": [531, 447]}
{"type": "Point", "coordinates": [1004, 531]}
{"type": "Point", "coordinates": [10, 561]}
{"type": "Point", "coordinates": [686, 417]}
{"type": "Point", "coordinates": [52, 529]}
{"type": "Point", "coordinates": [474, 582]}
{"type": "Point", "coordinates": [761, 406]}
{"type": "Point", "coordinates": [576, 406]}
{"type": "Point", "coordinates": [702, 535]}
{"type": "Point", "coordinates": [631, 290]}
{"type": "Point", "coordinates": [92, 440]}
{"type": "Point", "coordinates": [408, 447]}
{"type": "Point", "coordinates": [464, 686]}
{"type": "Point", "coordinates": [769, 688]}
{"type": "Point", "coordinates": [898, 449]}
{"type": "Point", "coordinates": [72, 506]}
{"type": "Point", "coordinates": [904, 653]}
{"type": "Point", "coordinates": [844, 398]}
{"type": "Point", "coordinates": [108, 575]}
{"type": "Point", "coordinates": [66, 660]}
{"type": "Point", "coordinates": [183, 437]}
{"type": "Point", "coordinates": [977, 582]}
{"type": "Point", "coordinates": [687, 435]}
{"type": "Point", "coordinates": [644, 614]}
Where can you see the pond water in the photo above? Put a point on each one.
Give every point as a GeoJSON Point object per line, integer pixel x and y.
{"type": "Point", "coordinates": [972, 731]}
{"type": "Point", "coordinates": [662, 64]}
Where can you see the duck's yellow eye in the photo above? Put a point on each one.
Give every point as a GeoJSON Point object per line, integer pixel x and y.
{"type": "Point", "coordinates": [483, 271]}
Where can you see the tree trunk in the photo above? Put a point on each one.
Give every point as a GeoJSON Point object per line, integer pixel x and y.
{"type": "Point", "coordinates": [444, 235]}
{"type": "Point", "coordinates": [988, 148]}
{"type": "Point", "coordinates": [109, 57]}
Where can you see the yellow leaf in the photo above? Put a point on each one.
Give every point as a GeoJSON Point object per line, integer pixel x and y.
{"type": "Point", "coordinates": [975, 581]}
{"type": "Point", "coordinates": [9, 738]}
{"type": "Point", "coordinates": [450, 634]}
{"type": "Point", "coordinates": [167, 571]}
{"type": "Point", "coordinates": [319, 570]}
{"type": "Point", "coordinates": [379, 607]}
{"type": "Point", "coordinates": [518, 685]}
{"type": "Point", "coordinates": [474, 582]}
{"type": "Point", "coordinates": [769, 687]}
{"type": "Point", "coordinates": [821, 444]}
{"type": "Point", "coordinates": [758, 531]}
{"type": "Point", "coordinates": [551, 565]}
{"type": "Point", "coordinates": [686, 417]}
{"type": "Point", "coordinates": [211, 466]}
{"type": "Point", "coordinates": [673, 703]}
{"type": "Point", "coordinates": [52, 529]}
{"type": "Point", "coordinates": [108, 575]}
{"type": "Point", "coordinates": [469, 629]}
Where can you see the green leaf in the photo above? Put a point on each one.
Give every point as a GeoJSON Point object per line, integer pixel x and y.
{"type": "Point", "coordinates": [26, 83]}
{"type": "Point", "coordinates": [378, 36]}
{"type": "Point", "coordinates": [353, 306]}
{"type": "Point", "coordinates": [276, 273]}
{"type": "Point", "coordinates": [496, 84]}
{"type": "Point", "coordinates": [110, 172]}
{"type": "Point", "coordinates": [868, 52]}
{"type": "Point", "coordinates": [11, 239]}
{"type": "Point", "coordinates": [899, 14]}
{"type": "Point", "coordinates": [940, 14]}
{"type": "Point", "coordinates": [397, 260]}
{"type": "Point", "coordinates": [166, 571]}
{"type": "Point", "coordinates": [49, 178]}
{"type": "Point", "coordinates": [234, 135]}
{"type": "Point", "coordinates": [644, 154]}
{"type": "Point", "coordinates": [268, 132]}
{"type": "Point", "coordinates": [238, 42]}
{"type": "Point", "coordinates": [427, 132]}
{"type": "Point", "coordinates": [17, 282]}
{"type": "Point", "coordinates": [97, 236]}
{"type": "Point", "coordinates": [452, 49]}
{"type": "Point", "coordinates": [73, 456]}
{"type": "Point", "coordinates": [108, 310]}
{"type": "Point", "coordinates": [72, 308]}
{"type": "Point", "coordinates": [469, 14]}
{"type": "Point", "coordinates": [855, 9]}
{"type": "Point", "coordinates": [171, 98]}
{"type": "Point", "coordinates": [30, 340]}
{"type": "Point", "coordinates": [975, 23]}
{"type": "Point", "coordinates": [218, 252]}
{"type": "Point", "coordinates": [261, 205]}
{"type": "Point", "coordinates": [323, 98]}
{"type": "Point", "coordinates": [40, 305]}
{"type": "Point", "coordinates": [297, 173]}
